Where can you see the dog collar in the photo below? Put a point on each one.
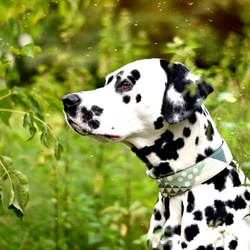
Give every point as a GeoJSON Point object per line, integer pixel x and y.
{"type": "Point", "coordinates": [191, 177]}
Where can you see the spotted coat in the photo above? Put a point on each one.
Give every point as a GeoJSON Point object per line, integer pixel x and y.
{"type": "Point", "coordinates": [154, 107]}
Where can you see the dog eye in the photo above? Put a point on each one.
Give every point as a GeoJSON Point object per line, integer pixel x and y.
{"type": "Point", "coordinates": [125, 85]}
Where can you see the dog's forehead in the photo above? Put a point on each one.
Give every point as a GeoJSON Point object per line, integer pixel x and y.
{"type": "Point", "coordinates": [136, 69]}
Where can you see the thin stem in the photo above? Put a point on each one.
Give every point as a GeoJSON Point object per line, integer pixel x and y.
{"type": "Point", "coordinates": [6, 171]}
{"type": "Point", "coordinates": [23, 113]}
{"type": "Point", "coordinates": [4, 96]}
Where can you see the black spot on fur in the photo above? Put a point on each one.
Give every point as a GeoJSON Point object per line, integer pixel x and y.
{"type": "Point", "coordinates": [218, 213]}
{"type": "Point", "coordinates": [192, 119]}
{"type": "Point", "coordinates": [233, 244]}
{"type": "Point", "coordinates": [247, 195]}
{"type": "Point", "coordinates": [165, 148]}
{"type": "Point", "coordinates": [97, 110]}
{"type": "Point", "coordinates": [159, 123]}
{"type": "Point", "coordinates": [177, 230]}
{"type": "Point", "coordinates": [166, 205]}
{"type": "Point", "coordinates": [138, 98]}
{"type": "Point", "coordinates": [110, 79]}
{"type": "Point", "coordinates": [219, 248]}
{"type": "Point", "coordinates": [132, 79]}
{"type": "Point", "coordinates": [229, 219]}
{"type": "Point", "coordinates": [157, 229]}
{"type": "Point", "coordinates": [236, 179]}
{"type": "Point", "coordinates": [237, 203]}
{"type": "Point", "coordinates": [198, 215]}
{"type": "Point", "coordinates": [191, 202]}
{"type": "Point", "coordinates": [201, 248]}
{"type": "Point", "coordinates": [186, 132]}
{"type": "Point", "coordinates": [157, 214]}
{"type": "Point", "coordinates": [126, 99]}
{"type": "Point", "coordinates": [209, 247]}
{"type": "Point", "coordinates": [162, 168]}
{"type": "Point", "coordinates": [197, 141]}
{"type": "Point", "coordinates": [167, 246]}
{"type": "Point", "coordinates": [191, 232]}
{"type": "Point", "coordinates": [219, 180]}
{"type": "Point", "coordinates": [209, 131]}
{"type": "Point", "coordinates": [136, 74]}
{"type": "Point", "coordinates": [86, 114]}
{"type": "Point", "coordinates": [183, 245]}
{"type": "Point", "coordinates": [199, 158]}
{"type": "Point", "coordinates": [208, 151]}
{"type": "Point", "coordinates": [94, 124]}
{"type": "Point", "coordinates": [169, 231]}
{"type": "Point", "coordinates": [141, 156]}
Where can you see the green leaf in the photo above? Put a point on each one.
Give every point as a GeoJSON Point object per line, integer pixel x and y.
{"type": "Point", "coordinates": [58, 150]}
{"type": "Point", "coordinates": [246, 165]}
{"type": "Point", "coordinates": [36, 107]}
{"type": "Point", "coordinates": [19, 193]}
{"type": "Point", "coordinates": [7, 162]}
{"type": "Point", "coordinates": [28, 121]}
{"type": "Point", "coordinates": [30, 50]}
{"type": "Point", "coordinates": [5, 103]}
{"type": "Point", "coordinates": [43, 136]}
{"type": "Point", "coordinates": [3, 67]}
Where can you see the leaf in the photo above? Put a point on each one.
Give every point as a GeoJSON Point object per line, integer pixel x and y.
{"type": "Point", "coordinates": [7, 162]}
{"type": "Point", "coordinates": [47, 137]}
{"type": "Point", "coordinates": [58, 150]}
{"type": "Point", "coordinates": [22, 187]}
{"type": "Point", "coordinates": [5, 103]}
{"type": "Point", "coordinates": [19, 193]}
{"type": "Point", "coordinates": [28, 121]}
{"type": "Point", "coordinates": [14, 204]}
{"type": "Point", "coordinates": [246, 165]}
{"type": "Point", "coordinates": [3, 67]}
{"type": "Point", "coordinates": [43, 136]}
{"type": "Point", "coordinates": [30, 49]}
{"type": "Point", "coordinates": [35, 106]}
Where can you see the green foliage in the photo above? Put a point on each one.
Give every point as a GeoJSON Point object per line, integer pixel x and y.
{"type": "Point", "coordinates": [94, 196]}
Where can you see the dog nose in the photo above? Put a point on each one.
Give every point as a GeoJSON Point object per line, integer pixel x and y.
{"type": "Point", "coordinates": [71, 100]}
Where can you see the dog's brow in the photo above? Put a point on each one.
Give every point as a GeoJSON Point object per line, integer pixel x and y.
{"type": "Point", "coordinates": [110, 79]}
{"type": "Point", "coordinates": [120, 73]}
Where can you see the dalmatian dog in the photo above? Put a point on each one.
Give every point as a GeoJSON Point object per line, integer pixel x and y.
{"type": "Point", "coordinates": [155, 108]}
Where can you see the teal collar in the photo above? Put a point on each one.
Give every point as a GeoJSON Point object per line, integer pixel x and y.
{"type": "Point", "coordinates": [191, 177]}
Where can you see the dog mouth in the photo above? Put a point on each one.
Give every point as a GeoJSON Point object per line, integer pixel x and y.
{"type": "Point", "coordinates": [86, 132]}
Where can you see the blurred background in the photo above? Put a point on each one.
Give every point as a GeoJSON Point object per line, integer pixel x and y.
{"type": "Point", "coordinates": [62, 191]}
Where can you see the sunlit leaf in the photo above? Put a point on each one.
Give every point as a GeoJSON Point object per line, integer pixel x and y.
{"type": "Point", "coordinates": [43, 136]}
{"type": "Point", "coordinates": [35, 106]}
{"type": "Point", "coordinates": [21, 187]}
{"type": "Point", "coordinates": [28, 50]}
{"type": "Point", "coordinates": [58, 150]}
{"type": "Point", "coordinates": [14, 205]}
{"type": "Point", "coordinates": [19, 193]}
{"type": "Point", "coordinates": [29, 121]}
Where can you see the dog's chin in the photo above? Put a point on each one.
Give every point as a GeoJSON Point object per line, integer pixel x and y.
{"type": "Point", "coordinates": [98, 137]}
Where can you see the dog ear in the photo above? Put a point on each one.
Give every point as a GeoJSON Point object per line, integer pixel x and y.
{"type": "Point", "coordinates": [184, 92]}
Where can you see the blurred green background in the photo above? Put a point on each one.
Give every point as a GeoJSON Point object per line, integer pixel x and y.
{"type": "Point", "coordinates": [91, 195]}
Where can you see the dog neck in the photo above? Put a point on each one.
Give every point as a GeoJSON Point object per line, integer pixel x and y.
{"type": "Point", "coordinates": [176, 147]}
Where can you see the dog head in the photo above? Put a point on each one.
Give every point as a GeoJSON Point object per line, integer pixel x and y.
{"type": "Point", "coordinates": [136, 100]}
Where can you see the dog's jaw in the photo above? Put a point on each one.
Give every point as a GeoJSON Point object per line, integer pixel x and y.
{"type": "Point", "coordinates": [166, 153]}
